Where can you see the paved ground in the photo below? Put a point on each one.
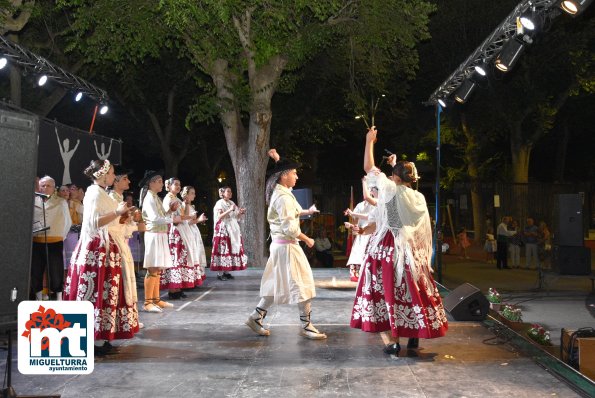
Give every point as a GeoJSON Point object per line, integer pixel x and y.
{"type": "Point", "coordinates": [201, 348]}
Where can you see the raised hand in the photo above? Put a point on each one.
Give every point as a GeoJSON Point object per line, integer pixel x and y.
{"type": "Point", "coordinates": [371, 135]}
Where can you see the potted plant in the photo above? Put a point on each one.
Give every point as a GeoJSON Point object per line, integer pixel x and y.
{"type": "Point", "coordinates": [513, 314]}
{"type": "Point", "coordinates": [538, 334]}
{"type": "Point", "coordinates": [494, 299]}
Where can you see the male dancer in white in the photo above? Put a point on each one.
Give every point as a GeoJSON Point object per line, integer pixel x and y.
{"type": "Point", "coordinates": [287, 278]}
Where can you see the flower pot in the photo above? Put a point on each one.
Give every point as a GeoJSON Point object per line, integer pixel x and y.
{"type": "Point", "coordinates": [495, 306]}
{"type": "Point", "coordinates": [517, 326]}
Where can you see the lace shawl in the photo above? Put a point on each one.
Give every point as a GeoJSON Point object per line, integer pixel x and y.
{"type": "Point", "coordinates": [403, 212]}
{"type": "Point", "coordinates": [230, 221]}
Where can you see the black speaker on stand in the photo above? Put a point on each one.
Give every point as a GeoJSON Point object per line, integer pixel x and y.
{"type": "Point", "coordinates": [572, 260]}
{"type": "Point", "coordinates": [568, 230]}
{"type": "Point", "coordinates": [467, 303]}
{"type": "Point", "coordinates": [18, 162]}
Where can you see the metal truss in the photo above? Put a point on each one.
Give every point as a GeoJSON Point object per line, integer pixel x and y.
{"type": "Point", "coordinates": [39, 65]}
{"type": "Point", "coordinates": [492, 45]}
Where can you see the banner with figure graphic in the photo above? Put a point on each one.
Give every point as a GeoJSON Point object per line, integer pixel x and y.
{"type": "Point", "coordinates": [64, 152]}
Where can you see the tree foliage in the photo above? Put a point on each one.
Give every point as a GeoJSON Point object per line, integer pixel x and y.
{"type": "Point", "coordinates": [243, 51]}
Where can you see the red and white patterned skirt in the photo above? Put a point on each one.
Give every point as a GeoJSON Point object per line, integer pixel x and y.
{"type": "Point", "coordinates": [181, 275]}
{"type": "Point", "coordinates": [222, 258]}
{"type": "Point", "coordinates": [407, 310]}
{"type": "Point", "coordinates": [95, 275]}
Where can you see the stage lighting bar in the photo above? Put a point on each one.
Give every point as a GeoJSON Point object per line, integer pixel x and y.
{"type": "Point", "coordinates": [493, 44]}
{"type": "Point", "coordinates": [41, 66]}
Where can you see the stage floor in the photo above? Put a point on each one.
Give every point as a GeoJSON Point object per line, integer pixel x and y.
{"type": "Point", "coordinates": [201, 348]}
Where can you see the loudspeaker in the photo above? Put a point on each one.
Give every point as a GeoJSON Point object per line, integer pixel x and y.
{"type": "Point", "coordinates": [18, 164]}
{"type": "Point", "coordinates": [304, 198]}
{"type": "Point", "coordinates": [569, 226]}
{"type": "Point", "coordinates": [572, 260]}
{"type": "Point", "coordinates": [467, 303]}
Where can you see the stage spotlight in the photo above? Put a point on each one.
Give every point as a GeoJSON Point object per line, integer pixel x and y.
{"type": "Point", "coordinates": [442, 102]}
{"type": "Point", "coordinates": [3, 62]}
{"type": "Point", "coordinates": [464, 91]}
{"type": "Point", "coordinates": [528, 21]}
{"type": "Point", "coordinates": [78, 96]}
{"type": "Point", "coordinates": [509, 55]}
{"type": "Point", "coordinates": [481, 70]}
{"type": "Point", "coordinates": [103, 110]}
{"type": "Point", "coordinates": [43, 79]}
{"type": "Point", "coordinates": [575, 7]}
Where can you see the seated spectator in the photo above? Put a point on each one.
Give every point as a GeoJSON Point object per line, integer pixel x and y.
{"type": "Point", "coordinates": [323, 248]}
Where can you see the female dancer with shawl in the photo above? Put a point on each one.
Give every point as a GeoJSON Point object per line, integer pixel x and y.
{"type": "Point", "coordinates": [120, 232]}
{"type": "Point", "coordinates": [361, 213]}
{"type": "Point", "coordinates": [182, 275]}
{"type": "Point", "coordinates": [95, 272]}
{"type": "Point", "coordinates": [228, 247]}
{"type": "Point", "coordinates": [188, 196]}
{"type": "Point", "coordinates": [396, 291]}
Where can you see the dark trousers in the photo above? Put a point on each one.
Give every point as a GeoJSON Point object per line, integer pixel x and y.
{"type": "Point", "coordinates": [502, 254]}
{"type": "Point", "coordinates": [39, 264]}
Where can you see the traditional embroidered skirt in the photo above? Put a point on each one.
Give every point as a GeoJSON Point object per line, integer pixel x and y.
{"type": "Point", "coordinates": [222, 258]}
{"type": "Point", "coordinates": [95, 275]}
{"type": "Point", "coordinates": [407, 310]}
{"type": "Point", "coordinates": [182, 274]}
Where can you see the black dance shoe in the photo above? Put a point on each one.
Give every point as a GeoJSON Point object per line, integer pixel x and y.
{"type": "Point", "coordinates": [228, 275]}
{"type": "Point", "coordinates": [392, 349]}
{"type": "Point", "coordinates": [104, 350]}
{"type": "Point", "coordinates": [222, 277]}
{"type": "Point", "coordinates": [174, 295]}
{"type": "Point", "coordinates": [413, 342]}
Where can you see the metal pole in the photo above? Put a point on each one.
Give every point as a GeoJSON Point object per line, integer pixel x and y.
{"type": "Point", "coordinates": [438, 228]}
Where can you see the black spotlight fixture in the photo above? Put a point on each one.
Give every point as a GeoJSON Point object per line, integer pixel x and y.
{"type": "Point", "coordinates": [481, 70]}
{"type": "Point", "coordinates": [510, 54]}
{"type": "Point", "coordinates": [574, 7]}
{"type": "Point", "coordinates": [464, 90]}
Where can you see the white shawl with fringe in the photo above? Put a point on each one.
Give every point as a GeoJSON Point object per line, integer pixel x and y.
{"type": "Point", "coordinates": [403, 211]}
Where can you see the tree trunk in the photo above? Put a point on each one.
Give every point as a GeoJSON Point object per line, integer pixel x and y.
{"type": "Point", "coordinates": [472, 161]}
{"type": "Point", "coordinates": [560, 163]}
{"type": "Point", "coordinates": [248, 147]}
{"type": "Point", "coordinates": [520, 151]}
{"type": "Point", "coordinates": [521, 154]}
{"type": "Point", "coordinates": [171, 156]}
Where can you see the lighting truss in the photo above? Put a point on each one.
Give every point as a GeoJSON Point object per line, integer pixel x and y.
{"type": "Point", "coordinates": [492, 45]}
{"type": "Point", "coordinates": [40, 65]}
